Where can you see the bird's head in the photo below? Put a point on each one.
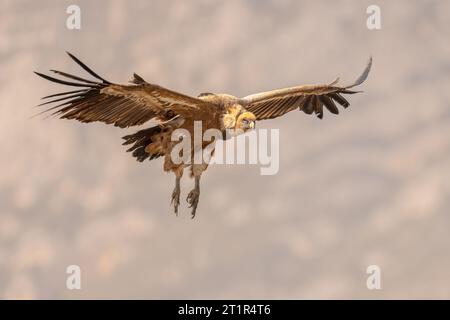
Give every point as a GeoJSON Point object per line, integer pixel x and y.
{"type": "Point", "coordinates": [238, 119]}
{"type": "Point", "coordinates": [245, 121]}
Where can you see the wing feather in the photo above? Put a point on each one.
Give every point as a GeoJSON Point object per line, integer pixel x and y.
{"type": "Point", "coordinates": [329, 104]}
{"type": "Point", "coordinates": [308, 98]}
{"type": "Point", "coordinates": [121, 105]}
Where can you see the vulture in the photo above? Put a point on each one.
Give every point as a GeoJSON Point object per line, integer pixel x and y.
{"type": "Point", "coordinates": [127, 105]}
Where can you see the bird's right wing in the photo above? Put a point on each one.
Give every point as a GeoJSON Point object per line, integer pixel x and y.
{"type": "Point", "coordinates": [121, 105]}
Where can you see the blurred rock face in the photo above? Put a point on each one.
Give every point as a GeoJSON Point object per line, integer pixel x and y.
{"type": "Point", "coordinates": [368, 187]}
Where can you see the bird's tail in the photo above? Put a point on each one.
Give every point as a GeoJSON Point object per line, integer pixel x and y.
{"type": "Point", "coordinates": [140, 142]}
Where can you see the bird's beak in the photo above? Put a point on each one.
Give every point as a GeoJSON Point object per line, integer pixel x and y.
{"type": "Point", "coordinates": [252, 125]}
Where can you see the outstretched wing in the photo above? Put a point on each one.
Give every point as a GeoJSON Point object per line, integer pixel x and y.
{"type": "Point", "coordinates": [308, 98]}
{"type": "Point", "coordinates": [121, 105]}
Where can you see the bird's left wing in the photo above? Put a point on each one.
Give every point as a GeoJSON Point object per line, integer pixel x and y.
{"type": "Point", "coordinates": [308, 98]}
{"type": "Point", "coordinates": [121, 105]}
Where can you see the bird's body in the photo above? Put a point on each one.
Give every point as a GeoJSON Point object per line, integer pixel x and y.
{"type": "Point", "coordinates": [135, 104]}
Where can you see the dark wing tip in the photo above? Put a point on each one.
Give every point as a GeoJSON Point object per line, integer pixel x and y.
{"type": "Point", "coordinates": [86, 68]}
{"type": "Point", "coordinates": [364, 75]}
{"type": "Point", "coordinates": [74, 84]}
{"type": "Point", "coordinates": [70, 55]}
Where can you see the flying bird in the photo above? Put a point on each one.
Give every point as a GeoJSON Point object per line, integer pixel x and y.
{"type": "Point", "coordinates": [135, 104]}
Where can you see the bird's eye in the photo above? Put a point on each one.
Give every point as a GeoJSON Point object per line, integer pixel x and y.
{"type": "Point", "coordinates": [244, 122]}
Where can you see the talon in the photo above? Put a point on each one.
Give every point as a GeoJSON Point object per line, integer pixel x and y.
{"type": "Point", "coordinates": [192, 200]}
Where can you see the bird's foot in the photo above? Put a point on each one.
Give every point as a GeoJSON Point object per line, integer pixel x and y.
{"type": "Point", "coordinates": [192, 200]}
{"type": "Point", "coordinates": [176, 199]}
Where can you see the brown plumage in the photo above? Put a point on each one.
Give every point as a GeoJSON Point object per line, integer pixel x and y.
{"type": "Point", "coordinates": [139, 102]}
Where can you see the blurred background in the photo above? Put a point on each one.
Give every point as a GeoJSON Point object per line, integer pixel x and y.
{"type": "Point", "coordinates": [370, 186]}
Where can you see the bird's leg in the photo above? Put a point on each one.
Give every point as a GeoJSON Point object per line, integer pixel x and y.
{"type": "Point", "coordinates": [194, 196]}
{"type": "Point", "coordinates": [176, 191]}
{"type": "Point", "coordinates": [176, 195]}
